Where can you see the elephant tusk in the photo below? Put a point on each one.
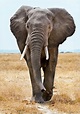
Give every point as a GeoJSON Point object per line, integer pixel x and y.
{"type": "Point", "coordinates": [24, 52]}
{"type": "Point", "coordinates": [47, 53]}
{"type": "Point", "coordinates": [25, 48]}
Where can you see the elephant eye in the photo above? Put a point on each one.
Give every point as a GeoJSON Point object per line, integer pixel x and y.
{"type": "Point", "coordinates": [49, 28]}
{"type": "Point", "coordinates": [27, 26]}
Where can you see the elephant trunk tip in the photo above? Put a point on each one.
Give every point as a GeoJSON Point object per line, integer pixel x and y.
{"type": "Point", "coordinates": [40, 85]}
{"type": "Point", "coordinates": [43, 90]}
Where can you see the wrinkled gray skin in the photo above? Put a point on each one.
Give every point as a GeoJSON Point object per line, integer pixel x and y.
{"type": "Point", "coordinates": [38, 28]}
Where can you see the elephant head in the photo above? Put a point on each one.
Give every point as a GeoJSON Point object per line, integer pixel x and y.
{"type": "Point", "coordinates": [38, 30]}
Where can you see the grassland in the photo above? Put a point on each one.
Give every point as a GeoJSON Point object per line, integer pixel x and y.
{"type": "Point", "coordinates": [15, 86]}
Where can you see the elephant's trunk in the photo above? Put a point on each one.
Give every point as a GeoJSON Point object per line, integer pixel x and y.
{"type": "Point", "coordinates": [36, 45]}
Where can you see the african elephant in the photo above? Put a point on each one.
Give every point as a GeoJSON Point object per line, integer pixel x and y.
{"type": "Point", "coordinates": [38, 33]}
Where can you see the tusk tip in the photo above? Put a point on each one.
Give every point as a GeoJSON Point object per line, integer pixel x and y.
{"type": "Point", "coordinates": [47, 58]}
{"type": "Point", "coordinates": [21, 58]}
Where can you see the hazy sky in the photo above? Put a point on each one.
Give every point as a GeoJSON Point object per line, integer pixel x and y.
{"type": "Point", "coordinates": [9, 7]}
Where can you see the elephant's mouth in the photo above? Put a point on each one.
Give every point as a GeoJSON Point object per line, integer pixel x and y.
{"type": "Point", "coordinates": [25, 50]}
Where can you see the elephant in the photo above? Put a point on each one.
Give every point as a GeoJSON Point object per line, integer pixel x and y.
{"type": "Point", "coordinates": [38, 33]}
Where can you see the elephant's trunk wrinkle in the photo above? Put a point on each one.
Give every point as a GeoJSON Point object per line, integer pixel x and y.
{"type": "Point", "coordinates": [37, 40]}
{"type": "Point", "coordinates": [37, 32]}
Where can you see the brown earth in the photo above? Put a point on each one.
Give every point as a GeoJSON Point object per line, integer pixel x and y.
{"type": "Point", "coordinates": [15, 87]}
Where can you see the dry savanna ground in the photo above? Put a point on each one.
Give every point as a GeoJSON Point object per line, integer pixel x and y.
{"type": "Point", "coordinates": [15, 86]}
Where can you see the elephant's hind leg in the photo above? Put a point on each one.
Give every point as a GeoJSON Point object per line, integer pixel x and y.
{"type": "Point", "coordinates": [49, 73]}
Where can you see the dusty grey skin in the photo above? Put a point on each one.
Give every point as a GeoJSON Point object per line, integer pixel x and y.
{"type": "Point", "coordinates": [37, 28]}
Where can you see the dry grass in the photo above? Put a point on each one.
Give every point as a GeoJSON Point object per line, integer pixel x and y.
{"type": "Point", "coordinates": [67, 83]}
{"type": "Point", "coordinates": [11, 62]}
{"type": "Point", "coordinates": [15, 85]}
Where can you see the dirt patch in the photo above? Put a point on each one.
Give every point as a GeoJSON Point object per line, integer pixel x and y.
{"type": "Point", "coordinates": [15, 87]}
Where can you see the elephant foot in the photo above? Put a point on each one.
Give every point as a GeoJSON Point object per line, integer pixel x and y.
{"type": "Point", "coordinates": [37, 99]}
{"type": "Point", "coordinates": [47, 95]}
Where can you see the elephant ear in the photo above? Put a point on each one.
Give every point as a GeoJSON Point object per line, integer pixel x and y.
{"type": "Point", "coordinates": [18, 25]}
{"type": "Point", "coordinates": [63, 26]}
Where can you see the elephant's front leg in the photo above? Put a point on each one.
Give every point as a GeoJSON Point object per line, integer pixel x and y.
{"type": "Point", "coordinates": [49, 73]}
{"type": "Point", "coordinates": [36, 92]}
